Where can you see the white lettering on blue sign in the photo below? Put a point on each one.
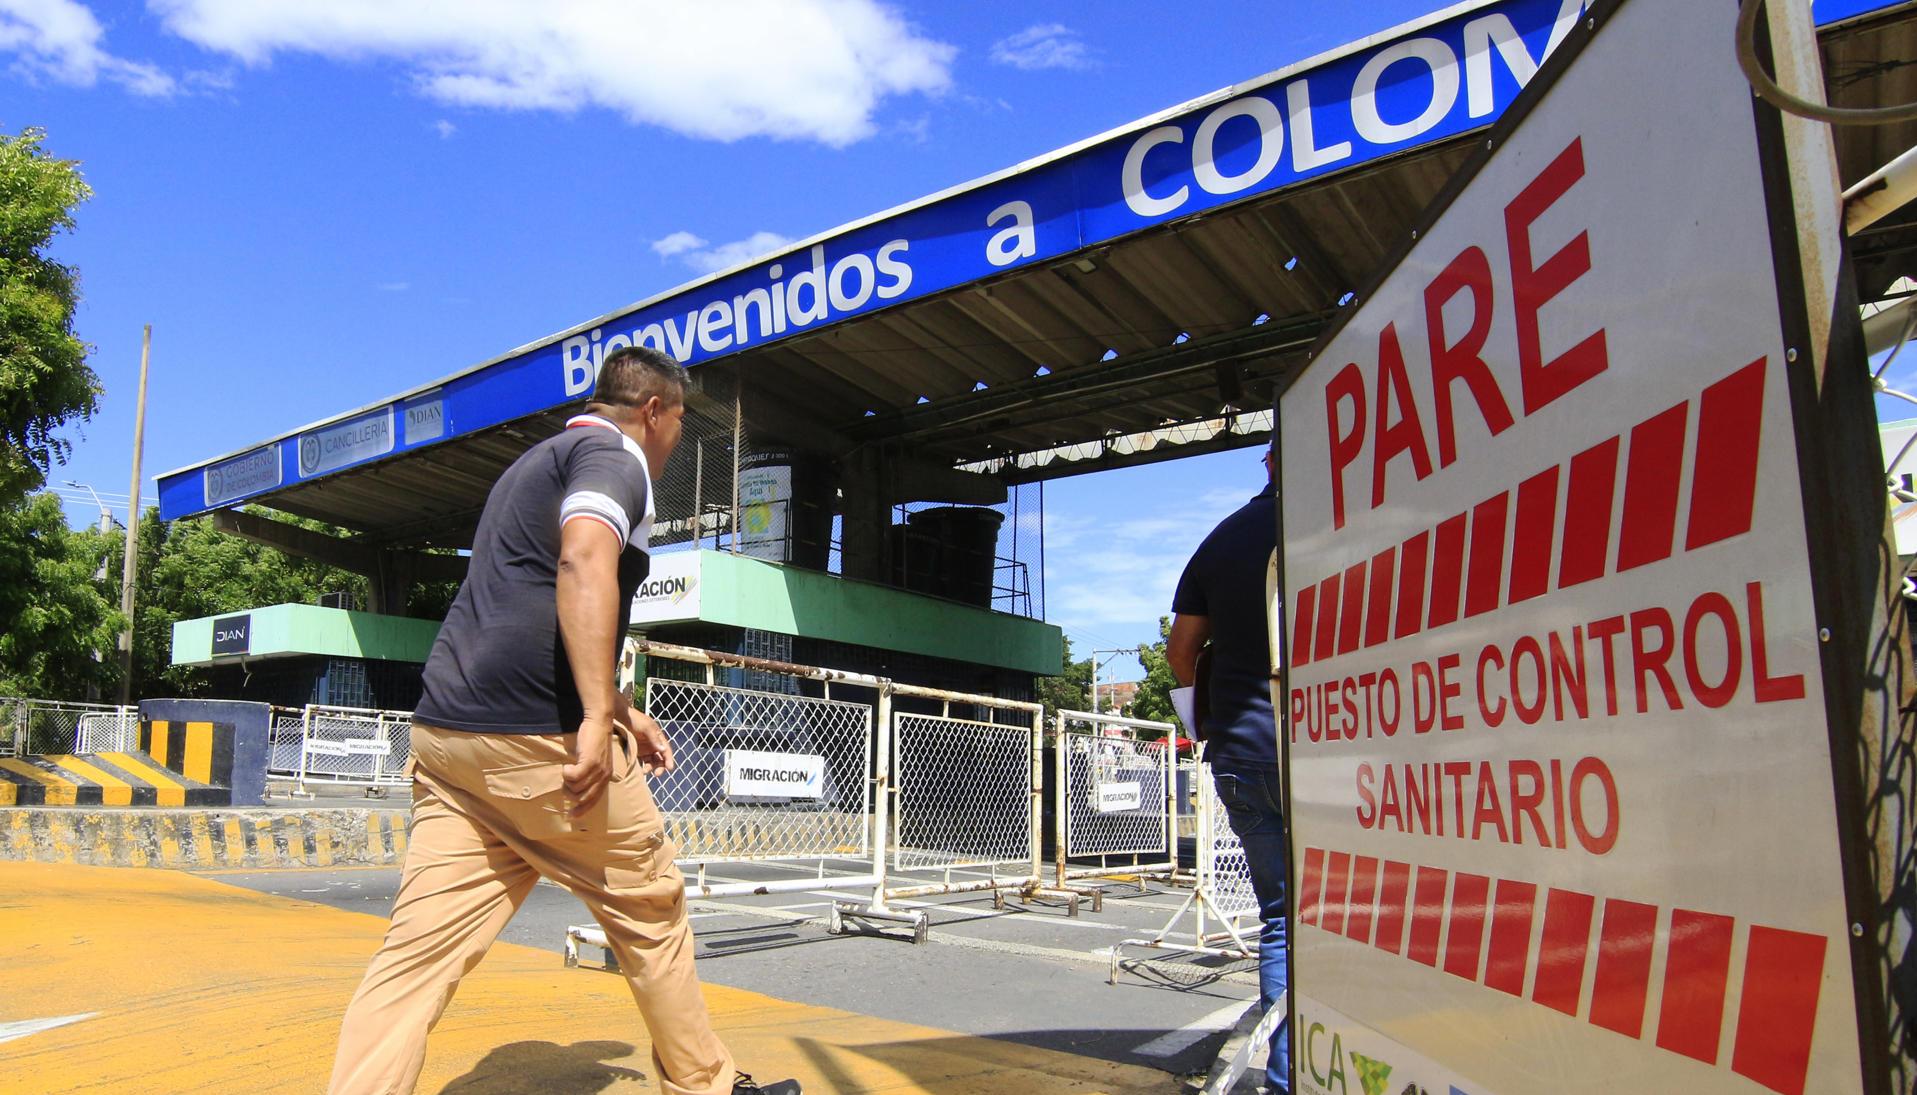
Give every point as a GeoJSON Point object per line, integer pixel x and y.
{"type": "Point", "coordinates": [332, 447]}
{"type": "Point", "coordinates": [1440, 80]}
{"type": "Point", "coordinates": [756, 313]}
{"type": "Point", "coordinates": [246, 474]}
{"type": "Point", "coordinates": [425, 419]}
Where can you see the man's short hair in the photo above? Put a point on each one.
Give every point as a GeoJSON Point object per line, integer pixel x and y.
{"type": "Point", "coordinates": [632, 375]}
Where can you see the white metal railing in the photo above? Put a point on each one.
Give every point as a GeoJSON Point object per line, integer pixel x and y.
{"type": "Point", "coordinates": [321, 744]}
{"type": "Point", "coordinates": [1221, 892]}
{"type": "Point", "coordinates": [54, 727]}
{"type": "Point", "coordinates": [769, 773]}
{"type": "Point", "coordinates": [964, 793]}
{"type": "Point", "coordinates": [1114, 796]}
{"type": "Point", "coordinates": [763, 775]}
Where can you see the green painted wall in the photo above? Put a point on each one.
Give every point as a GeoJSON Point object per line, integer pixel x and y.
{"type": "Point", "coordinates": [310, 629]}
{"type": "Point", "coordinates": [734, 590]}
{"type": "Point", "coordinates": [747, 592]}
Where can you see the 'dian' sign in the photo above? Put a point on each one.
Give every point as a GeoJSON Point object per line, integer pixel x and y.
{"type": "Point", "coordinates": [1561, 786]}
{"type": "Point", "coordinates": [232, 634]}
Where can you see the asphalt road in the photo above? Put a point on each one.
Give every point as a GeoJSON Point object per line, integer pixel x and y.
{"type": "Point", "coordinates": [1028, 974]}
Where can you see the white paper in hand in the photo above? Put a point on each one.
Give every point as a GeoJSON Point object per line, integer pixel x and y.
{"type": "Point", "coordinates": [1183, 701]}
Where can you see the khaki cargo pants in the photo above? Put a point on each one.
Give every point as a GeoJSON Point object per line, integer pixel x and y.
{"type": "Point", "coordinates": [489, 817]}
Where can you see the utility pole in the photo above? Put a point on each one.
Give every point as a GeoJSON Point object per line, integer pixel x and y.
{"type": "Point", "coordinates": [99, 575]}
{"type": "Point", "coordinates": [129, 572]}
{"type": "Point", "coordinates": [1099, 665]}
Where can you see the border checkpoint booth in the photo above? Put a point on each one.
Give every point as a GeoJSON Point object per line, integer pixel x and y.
{"type": "Point", "coordinates": [883, 402]}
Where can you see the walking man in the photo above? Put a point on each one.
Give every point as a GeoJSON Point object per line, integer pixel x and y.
{"type": "Point", "coordinates": [1223, 598]}
{"type": "Point", "coordinates": [527, 761]}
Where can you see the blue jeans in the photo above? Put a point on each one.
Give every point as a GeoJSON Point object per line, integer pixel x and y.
{"type": "Point", "coordinates": [1252, 798]}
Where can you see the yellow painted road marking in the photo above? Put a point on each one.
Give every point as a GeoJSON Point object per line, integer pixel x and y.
{"type": "Point", "coordinates": [263, 840]}
{"type": "Point", "coordinates": [156, 748]}
{"type": "Point", "coordinates": [202, 841]}
{"type": "Point", "coordinates": [114, 791]}
{"type": "Point", "coordinates": [170, 855]}
{"type": "Point", "coordinates": [166, 792]}
{"type": "Point", "coordinates": [7, 793]}
{"type": "Point", "coordinates": [19, 837]}
{"type": "Point", "coordinates": [60, 792]}
{"type": "Point", "coordinates": [235, 843]}
{"type": "Point", "coordinates": [271, 977]}
{"type": "Point", "coordinates": [197, 761]}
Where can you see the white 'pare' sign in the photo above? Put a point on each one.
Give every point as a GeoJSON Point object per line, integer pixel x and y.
{"type": "Point", "coordinates": [1560, 776]}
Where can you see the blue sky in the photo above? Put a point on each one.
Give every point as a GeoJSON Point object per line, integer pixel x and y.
{"type": "Point", "coordinates": [318, 203]}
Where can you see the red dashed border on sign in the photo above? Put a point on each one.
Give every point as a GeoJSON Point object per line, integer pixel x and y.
{"type": "Point", "coordinates": [1481, 929]}
{"type": "Point", "coordinates": [1457, 569]}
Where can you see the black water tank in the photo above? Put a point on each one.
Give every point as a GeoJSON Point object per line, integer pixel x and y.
{"type": "Point", "coordinates": [964, 543]}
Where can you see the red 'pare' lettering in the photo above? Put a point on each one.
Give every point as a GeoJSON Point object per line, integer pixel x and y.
{"type": "Point", "coordinates": [1384, 411]}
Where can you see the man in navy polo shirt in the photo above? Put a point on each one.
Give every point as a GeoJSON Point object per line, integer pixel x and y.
{"type": "Point", "coordinates": [1223, 598]}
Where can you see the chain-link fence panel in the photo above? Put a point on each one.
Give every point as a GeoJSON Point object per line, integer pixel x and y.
{"type": "Point", "coordinates": [1114, 787]}
{"type": "Point", "coordinates": [112, 731]}
{"type": "Point", "coordinates": [763, 775]}
{"type": "Point", "coordinates": [352, 746]}
{"type": "Point", "coordinates": [285, 737]}
{"type": "Point", "coordinates": [55, 727]}
{"type": "Point", "coordinates": [964, 792]}
{"type": "Point", "coordinates": [1223, 870]}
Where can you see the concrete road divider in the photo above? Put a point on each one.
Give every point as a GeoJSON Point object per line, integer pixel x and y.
{"type": "Point", "coordinates": [204, 839]}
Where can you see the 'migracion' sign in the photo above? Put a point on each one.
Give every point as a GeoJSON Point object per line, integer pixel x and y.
{"type": "Point", "coordinates": [1560, 780]}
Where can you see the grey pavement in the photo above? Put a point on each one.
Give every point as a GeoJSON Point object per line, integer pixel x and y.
{"type": "Point", "coordinates": [1028, 973]}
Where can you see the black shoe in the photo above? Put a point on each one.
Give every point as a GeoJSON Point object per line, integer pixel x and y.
{"type": "Point", "coordinates": [743, 1084]}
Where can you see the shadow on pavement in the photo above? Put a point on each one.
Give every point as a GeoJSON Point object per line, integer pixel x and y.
{"type": "Point", "coordinates": [522, 1068]}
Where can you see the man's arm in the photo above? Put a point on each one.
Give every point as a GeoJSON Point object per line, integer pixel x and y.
{"type": "Point", "coordinates": [1188, 635]}
{"type": "Point", "coordinates": [589, 619]}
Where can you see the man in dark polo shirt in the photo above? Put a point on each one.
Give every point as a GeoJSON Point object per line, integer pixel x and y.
{"type": "Point", "coordinates": [1223, 598]}
{"type": "Point", "coordinates": [527, 761]}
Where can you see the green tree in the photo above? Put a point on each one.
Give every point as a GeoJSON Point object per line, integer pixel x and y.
{"type": "Point", "coordinates": [44, 378]}
{"type": "Point", "coordinates": [64, 628]}
{"type": "Point", "coordinates": [1153, 698]}
{"type": "Point", "coordinates": [1071, 690]}
{"type": "Point", "coordinates": [189, 569]}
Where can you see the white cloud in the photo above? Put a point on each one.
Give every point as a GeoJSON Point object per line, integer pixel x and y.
{"type": "Point", "coordinates": [1117, 576]}
{"type": "Point", "coordinates": [445, 128]}
{"type": "Point", "coordinates": [1047, 45]}
{"type": "Point", "coordinates": [792, 69]}
{"type": "Point", "coordinates": [394, 286]}
{"type": "Point", "coordinates": [61, 40]}
{"type": "Point", "coordinates": [706, 258]}
{"type": "Point", "coordinates": [677, 244]}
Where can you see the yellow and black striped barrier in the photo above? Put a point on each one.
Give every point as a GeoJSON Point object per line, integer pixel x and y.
{"type": "Point", "coordinates": [205, 839]}
{"type": "Point", "coordinates": [200, 751]}
{"type": "Point", "coordinates": [102, 779]}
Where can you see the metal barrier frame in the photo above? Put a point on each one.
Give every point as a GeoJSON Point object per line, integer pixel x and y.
{"type": "Point", "coordinates": [875, 908]}
{"type": "Point", "coordinates": [1064, 873]}
{"type": "Point", "coordinates": [19, 715]}
{"type": "Point", "coordinates": [882, 798]}
{"type": "Point", "coordinates": [1205, 899]}
{"type": "Point", "coordinates": [1032, 883]}
{"type": "Point", "coordinates": [381, 778]}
